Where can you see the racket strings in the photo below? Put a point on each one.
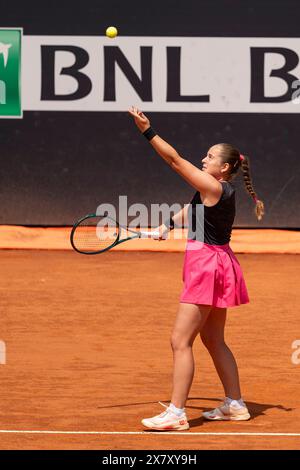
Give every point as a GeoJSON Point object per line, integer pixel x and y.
{"type": "Point", "coordinates": [90, 237]}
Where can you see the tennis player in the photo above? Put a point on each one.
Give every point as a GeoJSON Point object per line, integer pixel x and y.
{"type": "Point", "coordinates": [213, 279]}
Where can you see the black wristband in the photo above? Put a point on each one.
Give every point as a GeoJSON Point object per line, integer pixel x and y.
{"type": "Point", "coordinates": [149, 133]}
{"type": "Point", "coordinates": [169, 223]}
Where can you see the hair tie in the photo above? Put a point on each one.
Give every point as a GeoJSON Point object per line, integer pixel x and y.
{"type": "Point", "coordinates": [242, 157]}
{"type": "Point", "coordinates": [255, 199]}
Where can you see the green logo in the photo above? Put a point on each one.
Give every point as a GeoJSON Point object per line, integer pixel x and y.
{"type": "Point", "coordinates": [10, 72]}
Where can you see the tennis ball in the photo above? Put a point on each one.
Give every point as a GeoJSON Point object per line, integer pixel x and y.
{"type": "Point", "coordinates": [111, 32]}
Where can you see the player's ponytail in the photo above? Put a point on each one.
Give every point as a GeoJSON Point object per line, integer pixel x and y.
{"type": "Point", "coordinates": [259, 205]}
{"type": "Point", "coordinates": [232, 156]}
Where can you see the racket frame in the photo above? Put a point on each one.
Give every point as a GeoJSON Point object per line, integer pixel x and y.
{"type": "Point", "coordinates": [116, 242]}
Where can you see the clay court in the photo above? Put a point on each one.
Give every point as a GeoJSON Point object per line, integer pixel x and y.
{"type": "Point", "coordinates": [88, 355]}
{"type": "Point", "coordinates": [96, 125]}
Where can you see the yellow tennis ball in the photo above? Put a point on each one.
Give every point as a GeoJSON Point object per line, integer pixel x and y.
{"type": "Point", "coordinates": [111, 32]}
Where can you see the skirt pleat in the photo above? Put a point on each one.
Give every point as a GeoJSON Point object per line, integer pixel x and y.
{"type": "Point", "coordinates": [213, 276]}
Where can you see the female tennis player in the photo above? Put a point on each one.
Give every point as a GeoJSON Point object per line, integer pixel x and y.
{"type": "Point", "coordinates": [213, 279]}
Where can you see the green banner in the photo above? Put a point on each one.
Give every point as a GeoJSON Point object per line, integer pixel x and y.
{"type": "Point", "coordinates": [10, 72]}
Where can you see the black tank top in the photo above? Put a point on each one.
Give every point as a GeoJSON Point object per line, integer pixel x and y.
{"type": "Point", "coordinates": [218, 219]}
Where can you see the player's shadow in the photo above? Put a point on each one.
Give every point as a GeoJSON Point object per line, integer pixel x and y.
{"type": "Point", "coordinates": [255, 409]}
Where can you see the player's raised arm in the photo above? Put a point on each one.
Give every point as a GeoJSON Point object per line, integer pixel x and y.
{"type": "Point", "coordinates": [203, 182]}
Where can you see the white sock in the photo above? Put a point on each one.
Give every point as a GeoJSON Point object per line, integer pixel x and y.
{"type": "Point", "coordinates": [235, 403]}
{"type": "Point", "coordinates": [176, 411]}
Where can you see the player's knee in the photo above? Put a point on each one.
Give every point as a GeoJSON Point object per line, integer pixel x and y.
{"type": "Point", "coordinates": [212, 342]}
{"type": "Point", "coordinates": [179, 343]}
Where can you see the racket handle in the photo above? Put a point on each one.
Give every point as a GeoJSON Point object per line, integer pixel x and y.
{"type": "Point", "coordinates": [150, 234]}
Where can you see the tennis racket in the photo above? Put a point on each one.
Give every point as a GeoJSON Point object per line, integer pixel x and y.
{"type": "Point", "coordinates": [94, 234]}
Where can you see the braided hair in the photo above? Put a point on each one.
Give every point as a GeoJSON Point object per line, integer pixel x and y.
{"type": "Point", "coordinates": [232, 156]}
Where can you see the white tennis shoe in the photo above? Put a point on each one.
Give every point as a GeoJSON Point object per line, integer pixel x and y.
{"type": "Point", "coordinates": [166, 421]}
{"type": "Point", "coordinates": [227, 412]}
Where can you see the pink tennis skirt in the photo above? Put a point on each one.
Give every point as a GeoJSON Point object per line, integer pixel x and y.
{"type": "Point", "coordinates": [213, 276]}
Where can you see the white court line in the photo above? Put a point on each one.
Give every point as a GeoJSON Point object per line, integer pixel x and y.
{"type": "Point", "coordinates": [162, 433]}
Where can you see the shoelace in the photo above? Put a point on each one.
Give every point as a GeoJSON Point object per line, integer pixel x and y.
{"type": "Point", "coordinates": [168, 411]}
{"type": "Point", "coordinates": [164, 413]}
{"type": "Point", "coordinates": [162, 404]}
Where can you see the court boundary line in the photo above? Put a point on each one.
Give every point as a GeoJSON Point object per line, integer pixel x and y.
{"type": "Point", "coordinates": [173, 433]}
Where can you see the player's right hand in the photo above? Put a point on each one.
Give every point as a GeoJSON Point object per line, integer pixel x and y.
{"type": "Point", "coordinates": [140, 119]}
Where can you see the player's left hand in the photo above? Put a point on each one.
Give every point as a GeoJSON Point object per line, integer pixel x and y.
{"type": "Point", "coordinates": [140, 119]}
{"type": "Point", "coordinates": [161, 233]}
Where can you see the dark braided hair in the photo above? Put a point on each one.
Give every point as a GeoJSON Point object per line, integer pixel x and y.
{"type": "Point", "coordinates": [232, 156]}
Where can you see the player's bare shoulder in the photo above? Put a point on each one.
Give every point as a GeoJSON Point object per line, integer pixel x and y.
{"type": "Point", "coordinates": [211, 191]}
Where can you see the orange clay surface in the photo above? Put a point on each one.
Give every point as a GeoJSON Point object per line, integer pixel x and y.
{"type": "Point", "coordinates": [243, 241]}
{"type": "Point", "coordinates": [87, 350]}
